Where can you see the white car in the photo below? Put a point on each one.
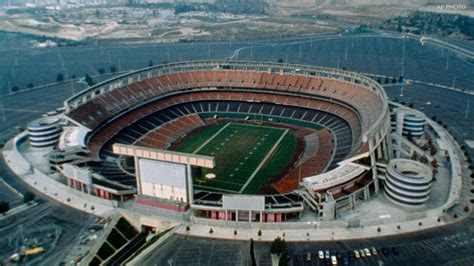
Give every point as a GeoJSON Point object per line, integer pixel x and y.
{"type": "Point", "coordinates": [333, 260]}
{"type": "Point", "coordinates": [321, 254]}
{"type": "Point", "coordinates": [356, 254]}
{"type": "Point", "coordinates": [362, 254]}
{"type": "Point", "coordinates": [367, 252]}
{"type": "Point", "coordinates": [374, 251]}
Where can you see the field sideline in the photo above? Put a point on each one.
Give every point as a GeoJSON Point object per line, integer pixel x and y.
{"type": "Point", "coordinates": [247, 155]}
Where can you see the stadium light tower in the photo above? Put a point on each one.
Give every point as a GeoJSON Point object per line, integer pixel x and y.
{"type": "Point", "coordinates": [447, 60]}
{"type": "Point", "coordinates": [403, 66]}
{"type": "Point", "coordinates": [466, 114]}
{"type": "Point", "coordinates": [3, 113]}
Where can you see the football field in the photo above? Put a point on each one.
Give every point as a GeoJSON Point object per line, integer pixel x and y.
{"type": "Point", "coordinates": [247, 155]}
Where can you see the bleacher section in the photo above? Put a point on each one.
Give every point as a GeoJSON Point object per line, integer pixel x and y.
{"type": "Point", "coordinates": [310, 166]}
{"type": "Point", "coordinates": [97, 111]}
{"type": "Point", "coordinates": [156, 111]}
{"type": "Point", "coordinates": [133, 132]}
{"type": "Point", "coordinates": [296, 108]}
{"type": "Point", "coordinates": [166, 134]}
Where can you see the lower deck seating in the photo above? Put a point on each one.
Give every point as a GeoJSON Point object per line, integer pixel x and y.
{"type": "Point", "coordinates": [311, 166]}
{"type": "Point", "coordinates": [163, 121]}
{"type": "Point", "coordinates": [165, 135]}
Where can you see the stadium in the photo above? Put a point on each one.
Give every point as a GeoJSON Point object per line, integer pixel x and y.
{"type": "Point", "coordinates": [280, 136]}
{"type": "Point", "coordinates": [209, 147]}
{"type": "Point", "coordinates": [239, 150]}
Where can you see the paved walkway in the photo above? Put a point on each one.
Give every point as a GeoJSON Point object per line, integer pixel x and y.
{"type": "Point", "coordinates": [53, 189]}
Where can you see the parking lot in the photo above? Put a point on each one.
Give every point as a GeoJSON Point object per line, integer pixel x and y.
{"type": "Point", "coordinates": [452, 245]}
{"type": "Point", "coordinates": [369, 54]}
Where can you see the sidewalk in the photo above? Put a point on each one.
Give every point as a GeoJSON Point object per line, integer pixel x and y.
{"type": "Point", "coordinates": [51, 188]}
{"type": "Point", "coordinates": [18, 210]}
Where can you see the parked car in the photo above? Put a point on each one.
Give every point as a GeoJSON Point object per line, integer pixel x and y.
{"type": "Point", "coordinates": [367, 252]}
{"type": "Point", "coordinates": [333, 260]}
{"type": "Point", "coordinates": [374, 251]}
{"type": "Point", "coordinates": [308, 256]}
{"type": "Point", "coordinates": [385, 251]}
{"type": "Point", "coordinates": [395, 251]}
{"type": "Point", "coordinates": [356, 254]}
{"type": "Point", "coordinates": [327, 255]}
{"type": "Point", "coordinates": [321, 254]}
{"type": "Point", "coordinates": [362, 254]}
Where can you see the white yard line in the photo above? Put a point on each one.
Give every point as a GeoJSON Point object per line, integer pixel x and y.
{"type": "Point", "coordinates": [216, 189]}
{"type": "Point", "coordinates": [211, 138]}
{"type": "Point", "coordinates": [263, 161]}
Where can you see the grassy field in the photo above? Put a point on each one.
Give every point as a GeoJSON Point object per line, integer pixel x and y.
{"type": "Point", "coordinates": [247, 155]}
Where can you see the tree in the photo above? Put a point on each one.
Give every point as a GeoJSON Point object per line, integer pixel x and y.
{"type": "Point", "coordinates": [4, 206]}
{"type": "Point", "coordinates": [59, 77]}
{"type": "Point", "coordinates": [386, 80]}
{"type": "Point", "coordinates": [281, 60]}
{"type": "Point", "coordinates": [30, 85]}
{"type": "Point", "coordinates": [400, 79]}
{"type": "Point", "coordinates": [14, 88]}
{"type": "Point", "coordinates": [101, 71]}
{"type": "Point", "coordinates": [423, 159]}
{"type": "Point", "coordinates": [433, 150]}
{"type": "Point", "coordinates": [278, 246]}
{"type": "Point", "coordinates": [150, 63]}
{"type": "Point", "coordinates": [28, 197]}
{"type": "Point", "coordinates": [113, 69]}
{"type": "Point", "coordinates": [88, 79]}
{"type": "Point", "coordinates": [414, 156]}
{"type": "Point", "coordinates": [394, 80]}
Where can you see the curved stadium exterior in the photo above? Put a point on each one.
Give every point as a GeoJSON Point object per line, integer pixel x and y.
{"type": "Point", "coordinates": [351, 109]}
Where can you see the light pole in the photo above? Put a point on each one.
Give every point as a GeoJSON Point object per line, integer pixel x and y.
{"type": "Point", "coordinates": [403, 66]}
{"type": "Point", "coordinates": [467, 109]}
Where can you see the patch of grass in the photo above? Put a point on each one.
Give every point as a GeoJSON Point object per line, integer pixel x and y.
{"type": "Point", "coordinates": [193, 143]}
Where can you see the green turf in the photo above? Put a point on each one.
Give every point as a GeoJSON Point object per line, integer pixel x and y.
{"type": "Point", "coordinates": [239, 149]}
{"type": "Point", "coordinates": [264, 118]}
{"type": "Point", "coordinates": [193, 143]}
